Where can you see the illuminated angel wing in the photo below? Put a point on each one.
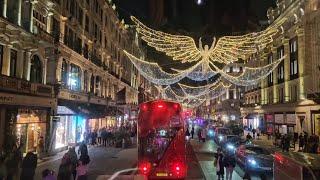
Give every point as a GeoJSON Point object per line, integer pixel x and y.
{"type": "Point", "coordinates": [180, 48]}
{"type": "Point", "coordinates": [230, 48]}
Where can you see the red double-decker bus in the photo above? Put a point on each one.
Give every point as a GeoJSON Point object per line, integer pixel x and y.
{"type": "Point", "coordinates": [161, 136]}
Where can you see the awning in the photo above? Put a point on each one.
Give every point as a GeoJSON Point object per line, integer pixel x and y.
{"type": "Point", "coordinates": [250, 116]}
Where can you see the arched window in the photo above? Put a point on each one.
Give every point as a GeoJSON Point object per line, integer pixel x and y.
{"type": "Point", "coordinates": [64, 73]}
{"type": "Point", "coordinates": [75, 77]}
{"type": "Point", "coordinates": [36, 70]}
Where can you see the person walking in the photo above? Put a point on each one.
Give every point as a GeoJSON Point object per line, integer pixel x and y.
{"type": "Point", "coordinates": [3, 168]}
{"type": "Point", "coordinates": [295, 139]}
{"type": "Point", "coordinates": [254, 133]}
{"type": "Point", "coordinates": [73, 160]}
{"type": "Point", "coordinates": [306, 143]}
{"type": "Point", "coordinates": [301, 142]}
{"type": "Point", "coordinates": [199, 135]}
{"type": "Point", "coordinates": [229, 162]}
{"type": "Point", "coordinates": [104, 136]}
{"type": "Point", "coordinates": [187, 134]}
{"type": "Point", "coordinates": [192, 132]}
{"type": "Point", "coordinates": [83, 150]}
{"type": "Point", "coordinates": [13, 162]}
{"type": "Point", "coordinates": [40, 147]}
{"type": "Point", "coordinates": [99, 136]}
{"type": "Point", "coordinates": [65, 168]}
{"type": "Point", "coordinates": [218, 163]}
{"type": "Point", "coordinates": [28, 167]}
{"type": "Point", "coordinates": [48, 175]}
{"type": "Point", "coordinates": [82, 171]}
{"type": "Point", "coordinates": [204, 135]}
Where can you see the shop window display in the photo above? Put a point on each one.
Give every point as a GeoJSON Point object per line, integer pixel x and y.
{"type": "Point", "coordinates": [30, 126]}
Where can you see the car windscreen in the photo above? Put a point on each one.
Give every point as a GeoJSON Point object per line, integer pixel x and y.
{"type": "Point", "coordinates": [257, 150]}
{"type": "Point", "coordinates": [224, 131]}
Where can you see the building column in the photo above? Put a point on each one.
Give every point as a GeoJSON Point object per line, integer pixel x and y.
{"type": "Point", "coordinates": [89, 82]}
{"type": "Point", "coordinates": [27, 65]}
{"type": "Point", "coordinates": [6, 60]}
{"type": "Point", "coordinates": [44, 71]}
{"type": "Point", "coordinates": [31, 14]}
{"type": "Point", "coordinates": [68, 74]}
{"type": "Point", "coordinates": [4, 11]}
{"type": "Point", "coordinates": [20, 64]}
{"type": "Point", "coordinates": [19, 12]}
{"type": "Point", "coordinates": [62, 28]}
{"type": "Point", "coordinates": [286, 69]}
{"type": "Point", "coordinates": [301, 59]}
{"type": "Point", "coordinates": [49, 22]}
{"type": "Point", "coordinates": [274, 76]}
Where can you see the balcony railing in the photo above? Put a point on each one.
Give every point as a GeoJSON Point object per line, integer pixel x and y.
{"type": "Point", "coordinates": [44, 36]}
{"type": "Point", "coordinates": [16, 85]}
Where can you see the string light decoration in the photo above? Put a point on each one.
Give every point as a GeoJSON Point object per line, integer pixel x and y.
{"type": "Point", "coordinates": [153, 72]}
{"type": "Point", "coordinates": [201, 72]}
{"type": "Point", "coordinates": [250, 75]}
{"type": "Point", "coordinates": [226, 50]}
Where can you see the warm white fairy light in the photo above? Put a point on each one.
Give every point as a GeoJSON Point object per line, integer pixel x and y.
{"type": "Point", "coordinates": [250, 76]}
{"type": "Point", "coordinates": [154, 73]}
{"type": "Point", "coordinates": [228, 49]}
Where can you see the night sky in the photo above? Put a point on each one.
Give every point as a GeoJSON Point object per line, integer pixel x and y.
{"type": "Point", "coordinates": [212, 17]}
{"type": "Point", "coordinates": [186, 17]}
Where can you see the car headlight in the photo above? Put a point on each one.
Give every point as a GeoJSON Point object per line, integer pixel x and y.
{"type": "Point", "coordinates": [230, 146]}
{"type": "Point", "coordinates": [210, 133]}
{"type": "Point", "coordinates": [220, 138]}
{"type": "Point", "coordinates": [252, 162]}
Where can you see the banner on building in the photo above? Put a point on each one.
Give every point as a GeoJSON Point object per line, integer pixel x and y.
{"type": "Point", "coordinates": [278, 118]}
{"type": "Point", "coordinates": [291, 118]}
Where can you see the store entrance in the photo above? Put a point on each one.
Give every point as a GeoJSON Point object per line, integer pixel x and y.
{"type": "Point", "coordinates": [29, 135]}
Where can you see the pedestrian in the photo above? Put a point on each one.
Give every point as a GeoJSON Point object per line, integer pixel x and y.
{"type": "Point", "coordinates": [316, 144]}
{"type": "Point", "coordinates": [3, 168]}
{"type": "Point", "coordinates": [29, 165]}
{"type": "Point", "coordinates": [258, 133]}
{"type": "Point", "coordinates": [229, 162]}
{"type": "Point", "coordinates": [99, 136]}
{"type": "Point", "coordinates": [192, 132]}
{"type": "Point", "coordinates": [73, 160]}
{"type": "Point", "coordinates": [187, 133]}
{"type": "Point", "coordinates": [199, 135]}
{"type": "Point", "coordinates": [48, 175]}
{"type": "Point", "coordinates": [218, 163]}
{"type": "Point", "coordinates": [248, 138]}
{"type": "Point", "coordinates": [204, 135]}
{"type": "Point", "coordinates": [132, 135]}
{"type": "Point", "coordinates": [65, 168]}
{"type": "Point", "coordinates": [82, 171]}
{"type": "Point", "coordinates": [104, 137]}
{"type": "Point", "coordinates": [306, 143]}
{"type": "Point", "coordinates": [254, 133]}
{"type": "Point", "coordinates": [83, 150]}
{"type": "Point", "coordinates": [40, 147]}
{"type": "Point", "coordinates": [13, 162]}
{"type": "Point", "coordinates": [301, 142]}
{"type": "Point", "coordinates": [287, 140]}
{"type": "Point", "coordinates": [295, 139]}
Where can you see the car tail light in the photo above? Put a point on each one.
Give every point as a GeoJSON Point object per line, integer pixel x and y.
{"type": "Point", "coordinates": [176, 106]}
{"type": "Point", "coordinates": [145, 168]}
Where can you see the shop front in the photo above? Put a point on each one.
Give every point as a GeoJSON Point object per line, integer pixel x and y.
{"type": "Point", "coordinates": [30, 127]}
{"type": "Point", "coordinates": [96, 124]}
{"type": "Point", "coordinates": [291, 119]}
{"type": "Point", "coordinates": [269, 121]}
{"type": "Point", "coordinates": [69, 128]}
{"type": "Point", "coordinates": [315, 122]}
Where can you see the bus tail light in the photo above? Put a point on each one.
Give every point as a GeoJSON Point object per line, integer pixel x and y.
{"type": "Point", "coordinates": [144, 107]}
{"type": "Point", "coordinates": [178, 169]}
{"type": "Point", "coordinates": [145, 168]}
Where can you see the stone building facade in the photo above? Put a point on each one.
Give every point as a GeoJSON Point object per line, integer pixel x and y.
{"type": "Point", "coordinates": [63, 71]}
{"type": "Point", "coordinates": [288, 97]}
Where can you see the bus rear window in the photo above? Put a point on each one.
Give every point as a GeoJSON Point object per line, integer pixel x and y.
{"type": "Point", "coordinates": [154, 145]}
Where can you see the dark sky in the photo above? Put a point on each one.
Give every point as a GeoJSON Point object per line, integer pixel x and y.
{"type": "Point", "coordinates": [213, 17]}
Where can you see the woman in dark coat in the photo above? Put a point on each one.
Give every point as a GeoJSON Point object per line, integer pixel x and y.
{"type": "Point", "coordinates": [229, 162]}
{"type": "Point", "coordinates": [29, 165]}
{"type": "Point", "coordinates": [65, 168]}
{"type": "Point", "coordinates": [218, 162]}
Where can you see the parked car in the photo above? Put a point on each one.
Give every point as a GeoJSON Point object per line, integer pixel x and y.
{"type": "Point", "coordinates": [220, 134]}
{"type": "Point", "coordinates": [296, 166]}
{"type": "Point", "coordinates": [254, 158]}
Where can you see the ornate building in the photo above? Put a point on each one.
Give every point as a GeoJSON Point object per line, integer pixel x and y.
{"type": "Point", "coordinates": [64, 71]}
{"type": "Point", "coordinates": [288, 97]}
